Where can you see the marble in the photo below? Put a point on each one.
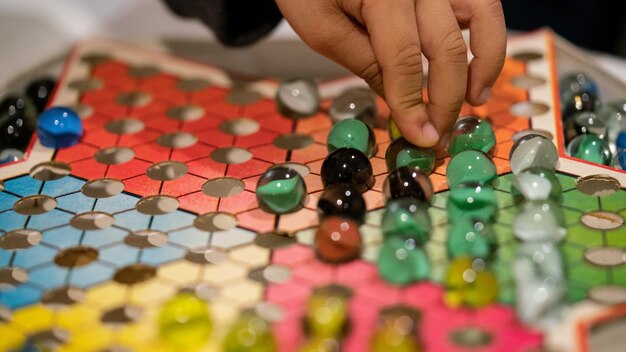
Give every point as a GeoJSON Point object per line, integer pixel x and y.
{"type": "Point", "coordinates": [298, 97]}
{"type": "Point", "coordinates": [472, 201]}
{"type": "Point", "coordinates": [355, 103]}
{"type": "Point", "coordinates": [338, 240]}
{"type": "Point", "coordinates": [40, 91]}
{"type": "Point", "coordinates": [471, 238]}
{"type": "Point", "coordinates": [281, 190]}
{"type": "Point", "coordinates": [10, 155]}
{"type": "Point", "coordinates": [470, 283]}
{"type": "Point", "coordinates": [614, 118]}
{"type": "Point", "coordinates": [533, 150]}
{"type": "Point", "coordinates": [539, 221]}
{"type": "Point", "coordinates": [342, 200]}
{"type": "Point", "coordinates": [327, 312]}
{"type": "Point", "coordinates": [583, 123]}
{"type": "Point", "coordinates": [185, 322]}
{"type": "Point", "coordinates": [577, 82]}
{"type": "Point", "coordinates": [592, 148]}
{"type": "Point", "coordinates": [402, 153]}
{"type": "Point", "coordinates": [18, 120]}
{"type": "Point", "coordinates": [408, 182]}
{"type": "Point", "coordinates": [472, 133]}
{"type": "Point", "coordinates": [59, 127]}
{"type": "Point", "coordinates": [536, 183]}
{"type": "Point", "coordinates": [401, 261]}
{"type": "Point", "coordinates": [571, 104]}
{"type": "Point", "coordinates": [392, 130]}
{"type": "Point", "coordinates": [407, 218]}
{"type": "Point", "coordinates": [350, 166]}
{"type": "Point", "coordinates": [352, 133]}
{"type": "Point", "coordinates": [470, 166]}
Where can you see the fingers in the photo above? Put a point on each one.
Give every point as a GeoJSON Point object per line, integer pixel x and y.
{"type": "Point", "coordinates": [485, 20]}
{"type": "Point", "coordinates": [327, 30]}
{"type": "Point", "coordinates": [443, 45]}
{"type": "Point", "coordinates": [392, 28]}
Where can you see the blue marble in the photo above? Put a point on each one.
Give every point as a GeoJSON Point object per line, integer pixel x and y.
{"type": "Point", "coordinates": [59, 127]}
{"type": "Point", "coordinates": [620, 141]}
{"type": "Point", "coordinates": [621, 159]}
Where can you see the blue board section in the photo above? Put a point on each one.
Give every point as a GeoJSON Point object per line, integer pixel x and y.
{"type": "Point", "coordinates": [18, 297]}
{"type": "Point", "coordinates": [23, 186]}
{"type": "Point", "coordinates": [62, 186]}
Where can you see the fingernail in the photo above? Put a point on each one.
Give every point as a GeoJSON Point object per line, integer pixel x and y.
{"type": "Point", "coordinates": [484, 95]}
{"type": "Point", "coordinates": [429, 133]}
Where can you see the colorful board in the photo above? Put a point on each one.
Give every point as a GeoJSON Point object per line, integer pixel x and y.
{"type": "Point", "coordinates": [159, 197]}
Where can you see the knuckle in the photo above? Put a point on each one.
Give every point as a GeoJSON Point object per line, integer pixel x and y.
{"type": "Point", "coordinates": [408, 60]}
{"type": "Point", "coordinates": [370, 73]}
{"type": "Point", "coordinates": [405, 100]}
{"type": "Point", "coordinates": [493, 8]}
{"type": "Point", "coordinates": [453, 47]}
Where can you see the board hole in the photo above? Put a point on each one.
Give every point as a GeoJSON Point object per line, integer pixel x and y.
{"type": "Point", "coordinates": [192, 84]}
{"type": "Point", "coordinates": [122, 315]}
{"type": "Point", "coordinates": [203, 291]}
{"type": "Point", "coordinates": [5, 314]}
{"type": "Point", "coordinates": [215, 221]}
{"type": "Point", "coordinates": [34, 205]}
{"type": "Point", "coordinates": [167, 170]}
{"type": "Point", "coordinates": [597, 185]}
{"type": "Point", "coordinates": [242, 96]}
{"type": "Point", "coordinates": [49, 340]}
{"type": "Point", "coordinates": [605, 256]}
{"type": "Point", "coordinates": [528, 56]}
{"type": "Point", "coordinates": [206, 255]}
{"type": "Point", "coordinates": [146, 239]}
{"type": "Point", "coordinates": [275, 274]}
{"type": "Point", "coordinates": [293, 141]}
{"type": "Point", "coordinates": [83, 110]}
{"type": "Point", "coordinates": [134, 274]}
{"type": "Point", "coordinates": [126, 125]}
{"type": "Point", "coordinates": [186, 112]}
{"type": "Point", "coordinates": [103, 188]}
{"type": "Point", "coordinates": [93, 220]}
{"type": "Point", "coordinates": [12, 277]}
{"type": "Point", "coordinates": [608, 294]}
{"type": "Point", "coordinates": [302, 169]}
{"type": "Point", "coordinates": [223, 187]}
{"type": "Point", "coordinates": [50, 171]}
{"type": "Point", "coordinates": [76, 256]}
{"type": "Point", "coordinates": [157, 205]}
{"type": "Point", "coordinates": [134, 99]}
{"type": "Point", "coordinates": [63, 296]}
{"type": "Point", "coordinates": [521, 134]}
{"type": "Point", "coordinates": [20, 239]}
{"type": "Point", "coordinates": [471, 337]}
{"type": "Point", "coordinates": [273, 240]}
{"type": "Point", "coordinates": [85, 85]}
{"type": "Point", "coordinates": [95, 58]}
{"type": "Point", "coordinates": [528, 109]}
{"type": "Point", "coordinates": [602, 220]}
{"type": "Point", "coordinates": [527, 81]}
{"type": "Point", "coordinates": [231, 155]}
{"type": "Point", "coordinates": [114, 155]}
{"type": "Point", "coordinates": [240, 126]}
{"type": "Point", "coordinates": [143, 71]}
{"type": "Point", "coordinates": [177, 140]}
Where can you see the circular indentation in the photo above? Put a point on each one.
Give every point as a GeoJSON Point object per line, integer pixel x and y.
{"type": "Point", "coordinates": [85, 85]}
{"type": "Point", "coordinates": [302, 169]}
{"type": "Point", "coordinates": [11, 277]}
{"type": "Point", "coordinates": [84, 111]}
{"type": "Point", "coordinates": [203, 291]}
{"type": "Point", "coordinates": [528, 109]}
{"type": "Point", "coordinates": [143, 71]}
{"type": "Point", "coordinates": [134, 99]}
{"type": "Point", "coordinates": [471, 337]}
{"type": "Point", "coordinates": [114, 155]}
{"type": "Point", "coordinates": [602, 220]}
{"type": "Point", "coordinates": [49, 340]}
{"type": "Point", "coordinates": [167, 170]}
{"type": "Point", "coordinates": [92, 220]}
{"type": "Point", "coordinates": [157, 205]}
{"type": "Point", "coordinates": [597, 185]}
{"type": "Point", "coordinates": [269, 312]}
{"type": "Point", "coordinates": [521, 134]}
{"type": "Point", "coordinates": [192, 84]}
{"type": "Point", "coordinates": [146, 239]}
{"type": "Point", "coordinates": [293, 141]}
{"type": "Point", "coordinates": [50, 171]}
{"type": "Point", "coordinates": [20, 239]}
{"type": "Point", "coordinates": [186, 112]}
{"type": "Point", "coordinates": [34, 205]}
{"type": "Point", "coordinates": [223, 187]}
{"type": "Point", "coordinates": [95, 58]}
{"type": "Point", "coordinates": [240, 126]}
{"type": "Point", "coordinates": [215, 221]}
{"type": "Point", "coordinates": [605, 256]}
{"type": "Point", "coordinates": [126, 125]}
{"type": "Point", "coordinates": [134, 274]}
{"type": "Point", "coordinates": [276, 273]}
{"type": "Point", "coordinates": [102, 188]}
{"type": "Point", "coordinates": [5, 314]}
{"type": "Point", "coordinates": [609, 294]}
{"type": "Point", "coordinates": [527, 81]}
{"type": "Point", "coordinates": [122, 315]}
{"type": "Point", "coordinates": [273, 240]}
{"type": "Point", "coordinates": [177, 140]}
{"type": "Point", "coordinates": [528, 56]}
{"type": "Point", "coordinates": [206, 255]}
{"type": "Point", "coordinates": [243, 96]}
{"type": "Point", "coordinates": [1, 186]}
{"type": "Point", "coordinates": [63, 296]}
{"type": "Point", "coordinates": [76, 256]}
{"type": "Point", "coordinates": [231, 155]}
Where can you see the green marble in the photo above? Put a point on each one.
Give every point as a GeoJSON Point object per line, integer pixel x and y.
{"type": "Point", "coordinates": [407, 218]}
{"type": "Point", "coordinates": [470, 238]}
{"type": "Point", "coordinates": [283, 195]}
{"type": "Point", "coordinates": [536, 183]}
{"type": "Point", "coordinates": [250, 333]}
{"type": "Point", "coordinates": [470, 166]}
{"type": "Point", "coordinates": [472, 201]}
{"type": "Point", "coordinates": [590, 147]}
{"type": "Point", "coordinates": [401, 262]}
{"type": "Point", "coordinates": [402, 153]}
{"type": "Point", "coordinates": [352, 133]}
{"type": "Point", "coordinates": [472, 133]}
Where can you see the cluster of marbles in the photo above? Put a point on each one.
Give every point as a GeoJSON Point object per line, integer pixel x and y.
{"type": "Point", "coordinates": [471, 207]}
{"type": "Point", "coordinates": [590, 127]}
{"type": "Point", "coordinates": [540, 225]}
{"type": "Point", "coordinates": [18, 118]}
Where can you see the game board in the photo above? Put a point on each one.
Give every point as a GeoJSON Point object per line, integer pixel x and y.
{"type": "Point", "coordinates": [159, 197]}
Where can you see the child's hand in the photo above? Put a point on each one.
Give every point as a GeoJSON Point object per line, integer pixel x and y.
{"type": "Point", "coordinates": [382, 42]}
